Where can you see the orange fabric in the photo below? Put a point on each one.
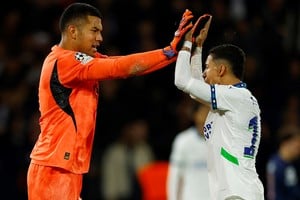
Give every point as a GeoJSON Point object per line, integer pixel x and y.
{"type": "Point", "coordinates": [49, 183]}
{"type": "Point", "coordinates": [125, 66]}
{"type": "Point", "coordinates": [153, 180]}
{"type": "Point", "coordinates": [68, 115]}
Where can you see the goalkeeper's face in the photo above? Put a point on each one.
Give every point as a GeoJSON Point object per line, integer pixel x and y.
{"type": "Point", "coordinates": [89, 36]}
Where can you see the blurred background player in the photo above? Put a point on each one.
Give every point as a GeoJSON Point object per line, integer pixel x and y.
{"type": "Point", "coordinates": [187, 175]}
{"type": "Point", "coordinates": [283, 181]}
{"type": "Point", "coordinates": [232, 128]}
{"type": "Point", "coordinates": [68, 99]}
{"type": "Point", "coordinates": [123, 158]}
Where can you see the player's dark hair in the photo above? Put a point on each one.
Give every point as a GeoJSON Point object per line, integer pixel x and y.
{"type": "Point", "coordinates": [232, 54]}
{"type": "Point", "coordinates": [77, 11]}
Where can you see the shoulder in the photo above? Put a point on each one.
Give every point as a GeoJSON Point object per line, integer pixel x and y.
{"type": "Point", "coordinates": [235, 95]}
{"type": "Point", "coordinates": [114, 149]}
{"type": "Point", "coordinates": [231, 89]}
{"type": "Point", "coordinates": [70, 57]}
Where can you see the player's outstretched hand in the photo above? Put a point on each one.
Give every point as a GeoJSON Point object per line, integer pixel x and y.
{"type": "Point", "coordinates": [200, 29]}
{"type": "Point", "coordinates": [184, 25]}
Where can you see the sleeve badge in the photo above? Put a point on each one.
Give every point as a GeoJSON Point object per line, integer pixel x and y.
{"type": "Point", "coordinates": [82, 57]}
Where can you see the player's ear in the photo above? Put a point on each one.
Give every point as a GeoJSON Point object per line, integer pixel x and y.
{"type": "Point", "coordinates": [222, 70]}
{"type": "Point", "coordinates": [72, 31]}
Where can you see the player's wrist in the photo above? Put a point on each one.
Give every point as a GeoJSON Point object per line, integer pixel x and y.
{"type": "Point", "coordinates": [198, 49]}
{"type": "Point", "coordinates": [187, 45]}
{"type": "Point", "coordinates": [169, 52]}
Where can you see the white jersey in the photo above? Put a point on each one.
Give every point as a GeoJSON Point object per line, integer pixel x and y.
{"type": "Point", "coordinates": [232, 131]}
{"type": "Point", "coordinates": [187, 175]}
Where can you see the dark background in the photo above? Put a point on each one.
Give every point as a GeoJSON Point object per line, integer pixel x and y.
{"type": "Point", "coordinates": [267, 30]}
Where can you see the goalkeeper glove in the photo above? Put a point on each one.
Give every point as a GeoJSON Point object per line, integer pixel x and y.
{"type": "Point", "coordinates": [184, 26]}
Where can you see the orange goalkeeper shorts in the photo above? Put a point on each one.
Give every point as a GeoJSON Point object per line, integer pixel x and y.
{"type": "Point", "coordinates": [45, 183]}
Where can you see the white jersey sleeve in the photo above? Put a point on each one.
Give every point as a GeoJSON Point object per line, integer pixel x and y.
{"type": "Point", "coordinates": [185, 81]}
{"type": "Point", "coordinates": [196, 64]}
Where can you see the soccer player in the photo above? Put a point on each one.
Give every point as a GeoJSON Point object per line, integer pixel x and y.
{"type": "Point", "coordinates": [187, 174]}
{"type": "Point", "coordinates": [283, 180]}
{"type": "Point", "coordinates": [68, 97]}
{"type": "Point", "coordinates": [232, 128]}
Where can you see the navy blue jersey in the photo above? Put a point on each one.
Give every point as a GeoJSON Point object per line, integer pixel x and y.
{"type": "Point", "coordinates": [282, 180]}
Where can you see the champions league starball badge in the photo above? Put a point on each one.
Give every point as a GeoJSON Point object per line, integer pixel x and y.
{"type": "Point", "coordinates": [82, 57]}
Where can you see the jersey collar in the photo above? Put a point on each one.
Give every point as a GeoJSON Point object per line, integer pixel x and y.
{"type": "Point", "coordinates": [240, 85]}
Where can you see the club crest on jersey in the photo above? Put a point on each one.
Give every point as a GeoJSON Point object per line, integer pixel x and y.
{"type": "Point", "coordinates": [82, 57]}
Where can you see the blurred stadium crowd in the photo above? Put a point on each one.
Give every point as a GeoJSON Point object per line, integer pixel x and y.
{"type": "Point", "coordinates": [268, 31]}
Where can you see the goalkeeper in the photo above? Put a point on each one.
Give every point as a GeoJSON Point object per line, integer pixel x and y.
{"type": "Point", "coordinates": [68, 97]}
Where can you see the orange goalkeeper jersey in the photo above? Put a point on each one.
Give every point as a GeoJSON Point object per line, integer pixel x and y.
{"type": "Point", "coordinates": [68, 96]}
